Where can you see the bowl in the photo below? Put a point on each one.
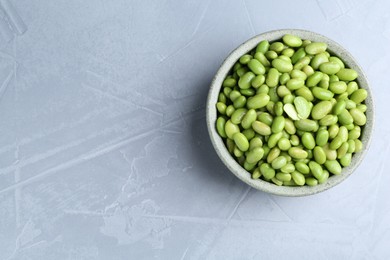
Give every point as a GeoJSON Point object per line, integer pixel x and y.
{"type": "Point", "coordinates": [234, 166]}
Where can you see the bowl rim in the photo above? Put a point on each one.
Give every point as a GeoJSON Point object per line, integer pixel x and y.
{"type": "Point", "coordinates": [233, 165]}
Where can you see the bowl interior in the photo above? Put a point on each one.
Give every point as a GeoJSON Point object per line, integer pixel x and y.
{"type": "Point", "coordinates": [233, 165]}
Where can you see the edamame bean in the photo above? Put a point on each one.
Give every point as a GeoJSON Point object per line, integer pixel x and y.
{"type": "Point", "coordinates": [352, 87]}
{"type": "Point", "coordinates": [267, 171]}
{"type": "Point", "coordinates": [294, 84]}
{"type": "Point", "coordinates": [273, 139]}
{"type": "Point", "coordinates": [297, 153]}
{"type": "Point", "coordinates": [316, 47]}
{"type": "Point", "coordinates": [315, 169]}
{"type": "Point", "coordinates": [308, 70]}
{"type": "Point", "coordinates": [288, 168]}
{"type": "Point", "coordinates": [260, 128]}
{"type": "Point", "coordinates": [255, 155]}
{"type": "Point", "coordinates": [279, 162]}
{"type": "Point", "coordinates": [322, 137]}
{"type": "Point", "coordinates": [358, 116]}
{"type": "Point", "coordinates": [282, 65]}
{"type": "Point", "coordinates": [328, 120]}
{"type": "Point", "coordinates": [221, 107]}
{"type": "Point", "coordinates": [273, 153]}
{"type": "Point", "coordinates": [230, 145]}
{"type": "Point", "coordinates": [299, 54]}
{"type": "Point", "coordinates": [249, 133]}
{"type": "Point", "coordinates": [338, 87]}
{"type": "Point", "coordinates": [319, 155]}
{"type": "Point", "coordinates": [245, 81]}
{"type": "Point", "coordinates": [358, 145]}
{"type": "Point", "coordinates": [229, 82]}
{"type": "Point", "coordinates": [248, 92]}
{"type": "Point", "coordinates": [271, 55]}
{"type": "Point", "coordinates": [256, 67]}
{"type": "Point", "coordinates": [261, 57]}
{"type": "Point", "coordinates": [305, 93]}
{"type": "Point", "coordinates": [278, 108]}
{"type": "Point", "coordinates": [329, 68]}
{"type": "Point", "coordinates": [338, 61]}
{"type": "Point", "coordinates": [345, 117]}
{"type": "Point", "coordinates": [281, 176]}
{"type": "Point", "coordinates": [321, 109]}
{"type": "Point", "coordinates": [347, 74]}
{"type": "Point", "coordinates": [239, 102]}
{"type": "Point", "coordinates": [289, 126]}
{"type": "Point", "coordinates": [298, 178]}
{"type": "Point", "coordinates": [220, 125]}
{"type": "Point", "coordinates": [247, 119]}
{"type": "Point", "coordinates": [276, 46]}
{"type": "Point", "coordinates": [231, 129]}
{"type": "Point", "coordinates": [311, 182]}
{"type": "Point", "coordinates": [351, 146]}
{"type": "Point", "coordinates": [292, 40]}
{"type": "Point", "coordinates": [318, 60]}
{"type": "Point", "coordinates": [238, 115]}
{"type": "Point", "coordinates": [291, 111]}
{"type": "Point", "coordinates": [256, 174]}
{"type": "Point", "coordinates": [266, 118]}
{"type": "Point", "coordinates": [308, 141]}
{"type": "Point", "coordinates": [302, 63]}
{"type": "Point", "coordinates": [258, 101]}
{"type": "Point", "coordinates": [333, 166]}
{"type": "Point", "coordinates": [258, 81]}
{"type": "Point", "coordinates": [359, 95]}
{"type": "Point", "coordinates": [342, 150]}
{"type": "Point", "coordinates": [294, 140]}
{"type": "Point", "coordinates": [245, 59]}
{"type": "Point", "coordinates": [241, 141]}
{"type": "Point", "coordinates": [230, 110]}
{"type": "Point", "coordinates": [302, 167]}
{"type": "Point", "coordinates": [302, 107]}
{"type": "Point", "coordinates": [346, 160]}
{"type": "Point", "coordinates": [277, 182]}
{"type": "Point", "coordinates": [339, 107]}
{"type": "Point", "coordinates": [284, 78]}
{"type": "Point", "coordinates": [306, 125]}
{"type": "Point", "coordinates": [284, 144]}
{"type": "Point", "coordinates": [322, 94]}
{"type": "Point", "coordinates": [272, 78]}
{"type": "Point", "coordinates": [263, 46]}
{"type": "Point", "coordinates": [289, 52]}
{"type": "Point", "coordinates": [278, 124]}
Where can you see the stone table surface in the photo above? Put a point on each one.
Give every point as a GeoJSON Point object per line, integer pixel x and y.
{"type": "Point", "coordinates": [104, 151]}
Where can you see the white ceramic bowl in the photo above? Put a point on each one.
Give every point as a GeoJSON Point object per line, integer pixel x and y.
{"type": "Point", "coordinates": [233, 165]}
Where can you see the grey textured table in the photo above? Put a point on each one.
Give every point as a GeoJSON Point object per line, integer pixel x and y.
{"type": "Point", "coordinates": [104, 151]}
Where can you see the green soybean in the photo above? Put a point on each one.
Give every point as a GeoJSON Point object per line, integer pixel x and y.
{"type": "Point", "coordinates": [306, 125]}
{"type": "Point", "coordinates": [298, 178]}
{"type": "Point", "coordinates": [282, 65]}
{"type": "Point", "coordinates": [316, 169]}
{"type": "Point", "coordinates": [231, 129]}
{"type": "Point", "coordinates": [267, 171]}
{"type": "Point", "coordinates": [260, 128]}
{"type": "Point", "coordinates": [278, 124]}
{"type": "Point", "coordinates": [238, 115]}
{"type": "Point", "coordinates": [258, 81]}
{"type": "Point", "coordinates": [263, 46]}
{"type": "Point", "coordinates": [258, 101]}
{"type": "Point", "coordinates": [256, 67]}
{"type": "Point", "coordinates": [297, 153]}
{"type": "Point", "coordinates": [316, 47]}
{"type": "Point", "coordinates": [294, 84]}
{"type": "Point", "coordinates": [333, 166]}
{"type": "Point", "coordinates": [261, 57]}
{"type": "Point", "coordinates": [321, 109]}
{"type": "Point", "coordinates": [273, 153]}
{"type": "Point", "coordinates": [311, 181]}
{"type": "Point", "coordinates": [346, 160]}
{"type": "Point", "coordinates": [318, 60]}
{"type": "Point", "coordinates": [347, 74]}
{"type": "Point", "coordinates": [319, 155]}
{"type": "Point", "coordinates": [239, 102]}
{"type": "Point", "coordinates": [302, 167]}
{"type": "Point", "coordinates": [241, 141]}
{"type": "Point", "coordinates": [299, 54]}
{"type": "Point", "coordinates": [308, 140]}
{"type": "Point", "coordinates": [305, 93]}
{"type": "Point", "coordinates": [255, 155]}
{"type": "Point", "coordinates": [322, 94]}
{"type": "Point", "coordinates": [329, 68]}
{"type": "Point", "coordinates": [272, 78]}
{"type": "Point", "coordinates": [220, 125]}
{"type": "Point", "coordinates": [249, 133]}
{"type": "Point", "coordinates": [359, 95]}
{"type": "Point", "coordinates": [303, 107]}
{"type": "Point", "coordinates": [245, 81]}
{"type": "Point", "coordinates": [345, 117]}
{"type": "Point", "coordinates": [292, 40]}
{"type": "Point", "coordinates": [322, 137]}
{"type": "Point", "coordinates": [358, 116]}
{"type": "Point", "coordinates": [279, 162]}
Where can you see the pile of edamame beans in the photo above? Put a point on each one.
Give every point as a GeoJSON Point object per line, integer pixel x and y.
{"type": "Point", "coordinates": [291, 113]}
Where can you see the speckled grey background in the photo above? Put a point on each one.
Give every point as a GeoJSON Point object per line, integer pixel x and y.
{"type": "Point", "coordinates": [104, 151]}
